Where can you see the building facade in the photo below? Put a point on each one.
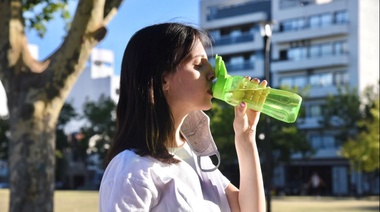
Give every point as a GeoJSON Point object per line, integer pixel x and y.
{"type": "Point", "coordinates": [320, 44]}
{"type": "Point", "coordinates": [97, 79]}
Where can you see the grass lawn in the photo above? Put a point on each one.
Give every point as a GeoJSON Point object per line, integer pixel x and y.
{"type": "Point", "coordinates": [64, 201]}
{"type": "Point", "coordinates": [85, 201]}
{"type": "Point", "coordinates": [324, 204]}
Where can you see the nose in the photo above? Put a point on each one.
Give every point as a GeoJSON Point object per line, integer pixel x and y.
{"type": "Point", "coordinates": [210, 73]}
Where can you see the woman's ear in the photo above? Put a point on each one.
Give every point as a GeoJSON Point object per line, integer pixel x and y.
{"type": "Point", "coordinates": [165, 85]}
{"type": "Point", "coordinates": [165, 82]}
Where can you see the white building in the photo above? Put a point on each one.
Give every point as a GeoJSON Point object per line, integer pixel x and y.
{"type": "Point", "coordinates": [97, 79]}
{"type": "Point", "coordinates": [318, 43]}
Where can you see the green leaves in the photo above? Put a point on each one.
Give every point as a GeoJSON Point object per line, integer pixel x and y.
{"type": "Point", "coordinates": [37, 13]}
{"type": "Point", "coordinates": [357, 118]}
{"type": "Point", "coordinates": [363, 150]}
{"type": "Point", "coordinates": [101, 125]}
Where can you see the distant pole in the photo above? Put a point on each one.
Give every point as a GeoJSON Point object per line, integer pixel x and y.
{"type": "Point", "coordinates": [266, 32]}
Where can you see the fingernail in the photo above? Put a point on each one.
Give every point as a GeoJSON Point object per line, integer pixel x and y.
{"type": "Point", "coordinates": [242, 104]}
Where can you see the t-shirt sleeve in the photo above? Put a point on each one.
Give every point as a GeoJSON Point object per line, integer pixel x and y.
{"type": "Point", "coordinates": [215, 189]}
{"type": "Point", "coordinates": [215, 176]}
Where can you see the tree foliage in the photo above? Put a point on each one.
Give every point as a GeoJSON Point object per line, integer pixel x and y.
{"type": "Point", "coordinates": [356, 117]}
{"type": "Point", "coordinates": [100, 127]}
{"type": "Point", "coordinates": [363, 149]}
{"type": "Point", "coordinates": [38, 13]}
{"type": "Point", "coordinates": [67, 114]}
{"type": "Point", "coordinates": [343, 111]}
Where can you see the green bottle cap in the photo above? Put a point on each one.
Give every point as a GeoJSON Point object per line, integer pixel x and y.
{"type": "Point", "coordinates": [221, 78]}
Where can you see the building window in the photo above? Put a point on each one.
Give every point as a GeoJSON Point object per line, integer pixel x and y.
{"type": "Point", "coordinates": [215, 34]}
{"type": "Point", "coordinates": [340, 47]}
{"type": "Point", "coordinates": [286, 81]}
{"type": "Point", "coordinates": [314, 21]}
{"type": "Point", "coordinates": [286, 26]}
{"type": "Point", "coordinates": [321, 80]}
{"type": "Point", "coordinates": [341, 78]}
{"type": "Point", "coordinates": [237, 9]}
{"type": "Point", "coordinates": [316, 110]}
{"type": "Point", "coordinates": [236, 60]}
{"type": "Point", "coordinates": [240, 63]}
{"type": "Point", "coordinates": [297, 53]}
{"type": "Point", "coordinates": [284, 4]}
{"type": "Point", "coordinates": [316, 80]}
{"type": "Point", "coordinates": [326, 49]}
{"type": "Point", "coordinates": [228, 36]}
{"type": "Point", "coordinates": [301, 23]}
{"type": "Point", "coordinates": [284, 54]}
{"type": "Point", "coordinates": [323, 142]}
{"type": "Point", "coordinates": [293, 81]}
{"type": "Point", "coordinates": [316, 142]}
{"type": "Point", "coordinates": [293, 24]}
{"type": "Point", "coordinates": [315, 51]}
{"type": "Point", "coordinates": [326, 19]}
{"type": "Point", "coordinates": [300, 81]}
{"type": "Point", "coordinates": [341, 17]}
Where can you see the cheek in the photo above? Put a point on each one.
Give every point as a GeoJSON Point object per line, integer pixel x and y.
{"type": "Point", "coordinates": [186, 90]}
{"type": "Point", "coordinates": [191, 85]}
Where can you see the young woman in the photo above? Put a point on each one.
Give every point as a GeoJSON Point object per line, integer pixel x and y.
{"type": "Point", "coordinates": [166, 81]}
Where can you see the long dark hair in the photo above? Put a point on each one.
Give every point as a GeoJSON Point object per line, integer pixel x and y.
{"type": "Point", "coordinates": [144, 120]}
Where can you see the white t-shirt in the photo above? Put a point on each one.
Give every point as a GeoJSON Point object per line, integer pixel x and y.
{"type": "Point", "coordinates": [135, 183]}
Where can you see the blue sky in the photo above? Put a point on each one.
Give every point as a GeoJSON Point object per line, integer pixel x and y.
{"type": "Point", "coordinates": [132, 16]}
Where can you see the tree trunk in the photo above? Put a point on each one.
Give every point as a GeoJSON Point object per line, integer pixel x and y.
{"type": "Point", "coordinates": [32, 160]}
{"type": "Point", "coordinates": [36, 91]}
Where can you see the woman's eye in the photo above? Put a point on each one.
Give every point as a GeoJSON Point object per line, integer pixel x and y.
{"type": "Point", "coordinates": [198, 65]}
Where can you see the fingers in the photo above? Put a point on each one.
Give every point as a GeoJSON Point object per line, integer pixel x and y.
{"type": "Point", "coordinates": [256, 98]}
{"type": "Point", "coordinates": [253, 117]}
{"type": "Point", "coordinates": [240, 120]}
{"type": "Point", "coordinates": [257, 80]}
{"type": "Point", "coordinates": [240, 110]}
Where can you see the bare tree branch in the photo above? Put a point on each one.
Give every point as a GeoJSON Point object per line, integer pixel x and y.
{"type": "Point", "coordinates": [110, 9]}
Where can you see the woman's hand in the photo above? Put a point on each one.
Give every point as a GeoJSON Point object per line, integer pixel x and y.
{"type": "Point", "coordinates": [246, 119]}
{"type": "Point", "coordinates": [251, 196]}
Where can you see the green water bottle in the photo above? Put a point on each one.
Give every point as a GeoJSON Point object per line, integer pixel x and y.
{"type": "Point", "coordinates": [279, 104]}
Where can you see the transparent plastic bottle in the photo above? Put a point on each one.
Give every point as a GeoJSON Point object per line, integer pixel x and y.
{"type": "Point", "coordinates": [279, 104]}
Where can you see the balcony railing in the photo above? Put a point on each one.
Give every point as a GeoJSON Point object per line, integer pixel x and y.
{"type": "Point", "coordinates": [247, 65]}
{"type": "Point", "coordinates": [228, 40]}
{"type": "Point", "coordinates": [217, 12]}
{"type": "Point", "coordinates": [285, 4]}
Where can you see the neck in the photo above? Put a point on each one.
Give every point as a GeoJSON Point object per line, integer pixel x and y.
{"type": "Point", "coordinates": [179, 138]}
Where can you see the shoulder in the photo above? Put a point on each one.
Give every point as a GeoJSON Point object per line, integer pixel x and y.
{"type": "Point", "coordinates": [128, 183]}
{"type": "Point", "coordinates": [129, 165]}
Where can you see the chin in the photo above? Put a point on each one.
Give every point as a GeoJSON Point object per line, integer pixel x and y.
{"type": "Point", "coordinates": [208, 107]}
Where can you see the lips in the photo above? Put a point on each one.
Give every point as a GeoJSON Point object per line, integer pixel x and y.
{"type": "Point", "coordinates": [209, 92]}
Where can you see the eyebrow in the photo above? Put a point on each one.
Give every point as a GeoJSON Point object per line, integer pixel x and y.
{"type": "Point", "coordinates": [189, 57]}
{"type": "Point", "coordinates": [199, 55]}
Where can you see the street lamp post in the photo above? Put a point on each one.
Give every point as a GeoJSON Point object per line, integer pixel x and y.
{"type": "Point", "coordinates": [266, 33]}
